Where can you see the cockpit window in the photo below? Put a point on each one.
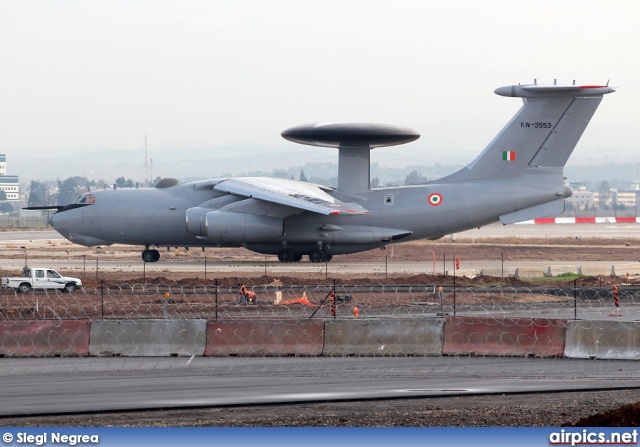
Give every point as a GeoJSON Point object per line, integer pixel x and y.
{"type": "Point", "coordinates": [85, 199]}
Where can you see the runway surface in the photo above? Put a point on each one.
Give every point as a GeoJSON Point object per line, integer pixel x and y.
{"type": "Point", "coordinates": [49, 386]}
{"type": "Point", "coordinates": [603, 230]}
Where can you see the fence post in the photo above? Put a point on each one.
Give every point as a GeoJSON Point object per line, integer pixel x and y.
{"type": "Point", "coordinates": [454, 289]}
{"type": "Point", "coordinates": [333, 300]}
{"type": "Point", "coordinates": [575, 300]}
{"type": "Point", "coordinates": [102, 299]}
{"type": "Point", "coordinates": [502, 270]}
{"type": "Point", "coordinates": [216, 298]}
{"type": "Point", "coordinates": [96, 269]}
{"type": "Point", "coordinates": [205, 267]}
{"type": "Point", "coordinates": [386, 266]}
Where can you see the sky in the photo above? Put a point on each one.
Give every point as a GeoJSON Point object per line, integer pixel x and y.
{"type": "Point", "coordinates": [83, 77]}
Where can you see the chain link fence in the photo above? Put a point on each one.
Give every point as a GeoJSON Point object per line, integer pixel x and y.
{"type": "Point", "coordinates": [331, 300]}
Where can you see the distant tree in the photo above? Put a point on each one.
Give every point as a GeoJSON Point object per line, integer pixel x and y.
{"type": "Point", "coordinates": [155, 181]}
{"type": "Point", "coordinates": [6, 207]}
{"type": "Point", "coordinates": [605, 190]}
{"type": "Point", "coordinates": [67, 191]}
{"type": "Point", "coordinates": [38, 194]}
{"type": "Point", "coordinates": [303, 178]}
{"type": "Point", "coordinates": [122, 183]}
{"type": "Point", "coordinates": [84, 184]}
{"type": "Point", "coordinates": [280, 174]}
{"type": "Point", "coordinates": [3, 195]}
{"type": "Point", "coordinates": [415, 178]}
{"type": "Point", "coordinates": [375, 183]}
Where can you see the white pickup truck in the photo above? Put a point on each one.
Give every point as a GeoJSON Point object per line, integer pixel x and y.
{"type": "Point", "coordinates": [41, 278]}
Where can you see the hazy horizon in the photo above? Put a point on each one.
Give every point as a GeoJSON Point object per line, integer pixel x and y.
{"type": "Point", "coordinates": [225, 78]}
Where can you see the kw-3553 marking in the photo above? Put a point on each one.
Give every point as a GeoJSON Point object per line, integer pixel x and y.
{"type": "Point", "coordinates": [536, 125]}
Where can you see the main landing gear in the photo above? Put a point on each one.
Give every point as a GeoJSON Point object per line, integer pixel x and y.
{"type": "Point", "coordinates": [150, 255]}
{"type": "Point", "coordinates": [288, 255]}
{"type": "Point", "coordinates": [317, 255]}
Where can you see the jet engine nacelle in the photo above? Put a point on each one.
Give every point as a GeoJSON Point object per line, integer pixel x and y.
{"type": "Point", "coordinates": [220, 226]}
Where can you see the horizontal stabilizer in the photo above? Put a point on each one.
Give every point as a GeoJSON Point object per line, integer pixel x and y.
{"type": "Point", "coordinates": [545, 91]}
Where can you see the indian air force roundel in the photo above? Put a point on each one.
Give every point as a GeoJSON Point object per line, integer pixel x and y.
{"type": "Point", "coordinates": [435, 199]}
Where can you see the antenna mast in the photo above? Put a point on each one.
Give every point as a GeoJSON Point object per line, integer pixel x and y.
{"type": "Point", "coordinates": [146, 164]}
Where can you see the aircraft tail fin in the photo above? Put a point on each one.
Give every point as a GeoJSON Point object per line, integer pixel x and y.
{"type": "Point", "coordinates": [543, 133]}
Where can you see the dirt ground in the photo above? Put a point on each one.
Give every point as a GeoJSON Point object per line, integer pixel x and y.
{"type": "Point", "coordinates": [491, 251]}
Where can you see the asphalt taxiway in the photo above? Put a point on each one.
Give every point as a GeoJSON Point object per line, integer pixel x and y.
{"type": "Point", "coordinates": [50, 386]}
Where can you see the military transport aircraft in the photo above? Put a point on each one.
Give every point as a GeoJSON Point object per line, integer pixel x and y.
{"type": "Point", "coordinates": [517, 177]}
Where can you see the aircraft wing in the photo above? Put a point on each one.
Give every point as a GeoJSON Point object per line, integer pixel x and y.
{"type": "Point", "coordinates": [301, 195]}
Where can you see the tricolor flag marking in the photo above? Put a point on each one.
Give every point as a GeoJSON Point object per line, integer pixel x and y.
{"type": "Point", "coordinates": [508, 155]}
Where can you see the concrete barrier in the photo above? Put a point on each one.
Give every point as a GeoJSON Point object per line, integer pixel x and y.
{"type": "Point", "coordinates": [555, 270]}
{"type": "Point", "coordinates": [469, 273]}
{"type": "Point", "coordinates": [148, 338]}
{"type": "Point", "coordinates": [279, 337]}
{"type": "Point", "coordinates": [603, 339]}
{"type": "Point", "coordinates": [492, 272]}
{"type": "Point", "coordinates": [44, 338]}
{"type": "Point", "coordinates": [623, 269]}
{"type": "Point", "coordinates": [524, 273]}
{"type": "Point", "coordinates": [595, 270]}
{"type": "Point", "coordinates": [539, 337]}
{"type": "Point", "coordinates": [383, 337]}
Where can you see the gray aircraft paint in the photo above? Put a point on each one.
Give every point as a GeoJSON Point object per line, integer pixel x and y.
{"type": "Point", "coordinates": [517, 177]}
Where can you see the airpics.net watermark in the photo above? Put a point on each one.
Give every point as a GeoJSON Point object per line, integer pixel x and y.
{"type": "Point", "coordinates": [590, 437]}
{"type": "Point", "coordinates": [23, 438]}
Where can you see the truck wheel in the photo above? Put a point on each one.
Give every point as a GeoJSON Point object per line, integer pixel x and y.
{"type": "Point", "coordinates": [70, 287]}
{"type": "Point", "coordinates": [24, 287]}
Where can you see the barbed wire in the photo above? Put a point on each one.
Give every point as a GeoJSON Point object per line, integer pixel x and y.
{"type": "Point", "coordinates": [171, 301]}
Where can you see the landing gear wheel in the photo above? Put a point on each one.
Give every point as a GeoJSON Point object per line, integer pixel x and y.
{"type": "Point", "coordinates": [317, 255]}
{"type": "Point", "coordinates": [329, 257]}
{"type": "Point", "coordinates": [150, 255]}
{"type": "Point", "coordinates": [286, 255]}
{"type": "Point", "coordinates": [297, 257]}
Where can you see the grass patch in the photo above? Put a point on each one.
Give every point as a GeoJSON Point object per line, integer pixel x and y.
{"type": "Point", "coordinates": [563, 277]}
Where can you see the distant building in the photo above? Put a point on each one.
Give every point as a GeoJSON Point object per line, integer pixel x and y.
{"type": "Point", "coordinates": [624, 197]}
{"type": "Point", "coordinates": [581, 198]}
{"type": "Point", "coordinates": [8, 183]}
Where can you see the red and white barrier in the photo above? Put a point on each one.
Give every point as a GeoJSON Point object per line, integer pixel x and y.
{"type": "Point", "coordinates": [580, 220]}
